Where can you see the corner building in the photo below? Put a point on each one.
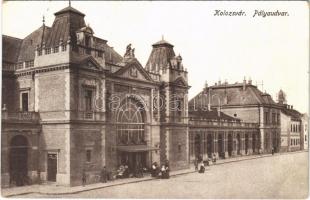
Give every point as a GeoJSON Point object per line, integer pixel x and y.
{"type": "Point", "coordinates": [71, 103]}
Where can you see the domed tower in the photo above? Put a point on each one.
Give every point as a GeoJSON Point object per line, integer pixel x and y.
{"type": "Point", "coordinates": [281, 97]}
{"type": "Point", "coordinates": [174, 103]}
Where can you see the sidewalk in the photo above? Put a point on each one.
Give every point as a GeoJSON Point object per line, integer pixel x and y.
{"type": "Point", "coordinates": [59, 190]}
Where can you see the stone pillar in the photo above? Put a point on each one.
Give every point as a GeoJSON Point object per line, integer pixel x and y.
{"type": "Point", "coordinates": [226, 145]}
{"type": "Point", "coordinates": [215, 147]}
{"type": "Point", "coordinates": [242, 143]}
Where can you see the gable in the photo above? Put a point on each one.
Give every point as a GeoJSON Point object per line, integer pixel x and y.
{"type": "Point", "coordinates": [134, 71]}
{"type": "Point", "coordinates": [90, 63]}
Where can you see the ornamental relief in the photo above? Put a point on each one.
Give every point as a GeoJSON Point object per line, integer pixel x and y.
{"type": "Point", "coordinates": [89, 82]}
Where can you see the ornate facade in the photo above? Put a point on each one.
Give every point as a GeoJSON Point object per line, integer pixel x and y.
{"type": "Point", "coordinates": [71, 103]}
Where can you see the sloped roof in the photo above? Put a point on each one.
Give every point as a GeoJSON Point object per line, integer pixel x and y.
{"type": "Point", "coordinates": [162, 43]}
{"type": "Point", "coordinates": [69, 9]}
{"type": "Point", "coordinates": [10, 48]}
{"type": "Point", "coordinates": [29, 44]}
{"type": "Point", "coordinates": [233, 95]}
{"type": "Point", "coordinates": [160, 57]}
{"type": "Point", "coordinates": [291, 112]}
{"type": "Point", "coordinates": [66, 23]}
{"type": "Point", "coordinates": [213, 114]}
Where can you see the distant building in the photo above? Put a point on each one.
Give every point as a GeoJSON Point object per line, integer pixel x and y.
{"type": "Point", "coordinates": [291, 126]}
{"type": "Point", "coordinates": [246, 102]}
{"type": "Point", "coordinates": [305, 131]}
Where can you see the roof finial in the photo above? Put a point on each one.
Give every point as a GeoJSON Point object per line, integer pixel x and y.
{"type": "Point", "coordinates": [43, 20]}
{"type": "Point", "coordinates": [69, 3]}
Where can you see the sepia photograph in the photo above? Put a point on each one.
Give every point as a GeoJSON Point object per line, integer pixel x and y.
{"type": "Point", "coordinates": [155, 99]}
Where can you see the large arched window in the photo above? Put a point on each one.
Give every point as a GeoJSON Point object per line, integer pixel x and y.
{"type": "Point", "coordinates": [130, 123]}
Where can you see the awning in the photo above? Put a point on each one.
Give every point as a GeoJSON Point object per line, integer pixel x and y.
{"type": "Point", "coordinates": [136, 148]}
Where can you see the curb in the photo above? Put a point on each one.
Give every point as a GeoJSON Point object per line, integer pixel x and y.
{"type": "Point", "coordinates": [149, 179]}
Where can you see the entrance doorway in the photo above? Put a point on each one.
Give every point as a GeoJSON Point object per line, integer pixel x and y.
{"type": "Point", "coordinates": [19, 160]}
{"type": "Point", "coordinates": [51, 166]}
{"type": "Point", "coordinates": [230, 145]}
{"type": "Point", "coordinates": [133, 160]}
{"type": "Point", "coordinates": [209, 145]}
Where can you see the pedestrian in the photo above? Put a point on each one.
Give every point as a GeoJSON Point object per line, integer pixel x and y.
{"type": "Point", "coordinates": [163, 171]}
{"type": "Point", "coordinates": [201, 168]}
{"type": "Point", "coordinates": [196, 164]}
{"type": "Point", "coordinates": [214, 159]}
{"type": "Point", "coordinates": [154, 169]}
{"type": "Point", "coordinates": [272, 150]}
{"type": "Point", "coordinates": [104, 175]}
{"type": "Point", "coordinates": [83, 177]}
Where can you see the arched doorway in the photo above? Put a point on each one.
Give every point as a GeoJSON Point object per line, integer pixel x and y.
{"type": "Point", "coordinates": [209, 145]}
{"type": "Point", "coordinates": [197, 145]}
{"type": "Point", "coordinates": [130, 125]}
{"type": "Point", "coordinates": [230, 144]}
{"type": "Point", "coordinates": [220, 146]}
{"type": "Point", "coordinates": [19, 160]}
{"type": "Point", "coordinates": [238, 144]}
{"type": "Point", "coordinates": [246, 143]}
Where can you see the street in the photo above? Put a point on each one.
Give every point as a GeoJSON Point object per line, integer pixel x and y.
{"type": "Point", "coordinates": [279, 176]}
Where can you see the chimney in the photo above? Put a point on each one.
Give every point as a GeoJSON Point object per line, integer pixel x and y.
{"type": "Point", "coordinates": [292, 107]}
{"type": "Point", "coordinates": [219, 82]}
{"type": "Point", "coordinates": [215, 84]}
{"type": "Point", "coordinates": [250, 82]}
{"type": "Point", "coordinates": [244, 83]}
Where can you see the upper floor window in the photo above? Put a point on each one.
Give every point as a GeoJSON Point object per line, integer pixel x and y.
{"type": "Point", "coordinates": [291, 127]}
{"type": "Point", "coordinates": [40, 52]}
{"type": "Point", "coordinates": [266, 117]}
{"type": "Point", "coordinates": [48, 51]}
{"type": "Point", "coordinates": [278, 118]}
{"type": "Point", "coordinates": [24, 101]}
{"type": "Point", "coordinates": [19, 65]}
{"type": "Point", "coordinates": [273, 118]}
{"type": "Point", "coordinates": [88, 155]}
{"type": "Point", "coordinates": [100, 54]}
{"type": "Point", "coordinates": [29, 64]}
{"type": "Point", "coordinates": [87, 41]}
{"type": "Point", "coordinates": [88, 99]}
{"type": "Point", "coordinates": [56, 49]}
{"type": "Point", "coordinates": [64, 47]}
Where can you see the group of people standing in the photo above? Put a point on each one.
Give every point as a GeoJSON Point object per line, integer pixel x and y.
{"type": "Point", "coordinates": [125, 172]}
{"type": "Point", "coordinates": [200, 163]}
{"type": "Point", "coordinates": [160, 172]}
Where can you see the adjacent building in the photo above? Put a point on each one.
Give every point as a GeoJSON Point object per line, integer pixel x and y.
{"type": "Point", "coordinates": [244, 101]}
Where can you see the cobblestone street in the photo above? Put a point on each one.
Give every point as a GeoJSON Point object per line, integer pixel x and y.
{"type": "Point", "coordinates": [280, 176]}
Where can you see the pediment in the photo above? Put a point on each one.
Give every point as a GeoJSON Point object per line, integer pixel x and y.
{"type": "Point", "coordinates": [135, 71]}
{"type": "Point", "coordinates": [90, 63]}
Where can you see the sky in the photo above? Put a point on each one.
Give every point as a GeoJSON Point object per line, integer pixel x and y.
{"type": "Point", "coordinates": [272, 50]}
